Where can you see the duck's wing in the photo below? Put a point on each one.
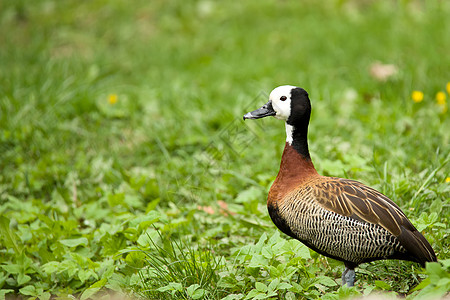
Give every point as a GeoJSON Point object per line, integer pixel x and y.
{"type": "Point", "coordinates": [355, 200]}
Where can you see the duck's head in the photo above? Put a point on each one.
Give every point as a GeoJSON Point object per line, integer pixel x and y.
{"type": "Point", "coordinates": [288, 103]}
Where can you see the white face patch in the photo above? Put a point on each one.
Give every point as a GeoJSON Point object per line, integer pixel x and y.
{"type": "Point", "coordinates": [281, 101]}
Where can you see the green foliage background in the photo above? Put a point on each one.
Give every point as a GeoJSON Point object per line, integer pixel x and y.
{"type": "Point", "coordinates": [125, 166]}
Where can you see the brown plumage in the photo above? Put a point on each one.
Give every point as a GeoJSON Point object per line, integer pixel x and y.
{"type": "Point", "coordinates": [339, 218]}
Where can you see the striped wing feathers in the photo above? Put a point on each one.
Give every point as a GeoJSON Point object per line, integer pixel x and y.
{"type": "Point", "coordinates": [353, 199]}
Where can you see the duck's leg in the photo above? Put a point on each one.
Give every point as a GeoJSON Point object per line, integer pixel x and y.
{"type": "Point", "coordinates": [348, 276]}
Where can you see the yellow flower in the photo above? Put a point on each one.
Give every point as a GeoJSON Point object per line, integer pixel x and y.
{"type": "Point", "coordinates": [447, 180]}
{"type": "Point", "coordinates": [112, 99]}
{"type": "Point", "coordinates": [441, 97]}
{"type": "Point", "coordinates": [417, 96]}
{"type": "Point", "coordinates": [447, 87]}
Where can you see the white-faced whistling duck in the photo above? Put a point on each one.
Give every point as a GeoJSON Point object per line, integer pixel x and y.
{"type": "Point", "coordinates": [339, 218]}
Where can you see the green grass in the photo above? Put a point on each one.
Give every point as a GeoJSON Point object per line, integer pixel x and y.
{"type": "Point", "coordinates": [163, 193]}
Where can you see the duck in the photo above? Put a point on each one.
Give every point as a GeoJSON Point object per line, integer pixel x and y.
{"type": "Point", "coordinates": [339, 218]}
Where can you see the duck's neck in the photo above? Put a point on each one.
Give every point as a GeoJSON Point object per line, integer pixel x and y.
{"type": "Point", "coordinates": [296, 166]}
{"type": "Point", "coordinates": [296, 162]}
{"type": "Point", "coordinates": [297, 137]}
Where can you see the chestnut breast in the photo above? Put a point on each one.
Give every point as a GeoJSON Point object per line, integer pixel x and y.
{"type": "Point", "coordinates": [295, 171]}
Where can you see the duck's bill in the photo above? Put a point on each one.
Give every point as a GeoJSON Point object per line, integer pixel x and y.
{"type": "Point", "coordinates": [265, 111]}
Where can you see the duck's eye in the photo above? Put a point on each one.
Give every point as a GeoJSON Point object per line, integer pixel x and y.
{"type": "Point", "coordinates": [283, 98]}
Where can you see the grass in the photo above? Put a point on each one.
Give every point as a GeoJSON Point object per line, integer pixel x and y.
{"type": "Point", "coordinates": [125, 165]}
